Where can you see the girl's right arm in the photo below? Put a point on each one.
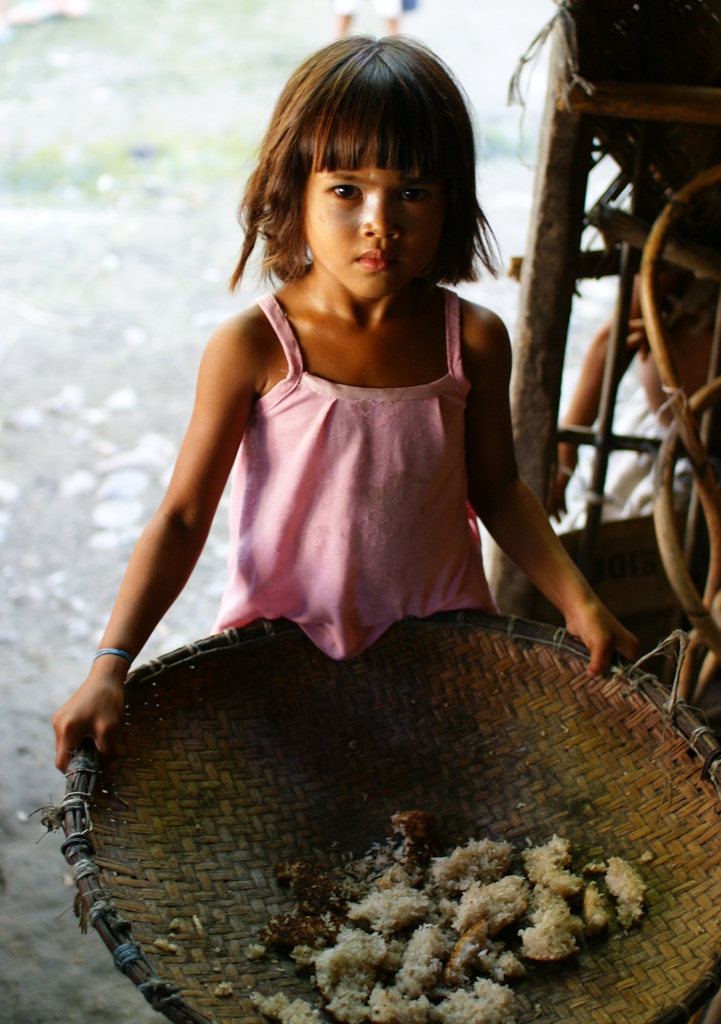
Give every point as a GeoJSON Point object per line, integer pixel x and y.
{"type": "Point", "coordinates": [232, 372]}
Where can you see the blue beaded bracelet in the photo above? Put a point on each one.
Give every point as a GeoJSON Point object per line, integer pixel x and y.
{"type": "Point", "coordinates": [113, 650]}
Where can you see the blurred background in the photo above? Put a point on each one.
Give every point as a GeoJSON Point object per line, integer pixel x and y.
{"type": "Point", "coordinates": [125, 138]}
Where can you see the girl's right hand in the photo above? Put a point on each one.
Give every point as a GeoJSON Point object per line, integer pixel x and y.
{"type": "Point", "coordinates": [95, 711]}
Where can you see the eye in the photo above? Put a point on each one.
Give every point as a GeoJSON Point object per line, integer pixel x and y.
{"type": "Point", "coordinates": [346, 191]}
{"type": "Point", "coordinates": [414, 195]}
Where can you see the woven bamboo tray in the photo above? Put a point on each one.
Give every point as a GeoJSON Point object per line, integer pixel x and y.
{"type": "Point", "coordinates": [252, 747]}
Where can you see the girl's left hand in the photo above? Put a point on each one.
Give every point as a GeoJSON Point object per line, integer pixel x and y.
{"type": "Point", "coordinates": [602, 634]}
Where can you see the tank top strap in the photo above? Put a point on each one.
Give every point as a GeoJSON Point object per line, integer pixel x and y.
{"type": "Point", "coordinates": [284, 332]}
{"type": "Point", "coordinates": [453, 341]}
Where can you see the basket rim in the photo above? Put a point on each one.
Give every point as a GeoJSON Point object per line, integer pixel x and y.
{"type": "Point", "coordinates": [272, 629]}
{"type": "Point", "coordinates": [82, 773]}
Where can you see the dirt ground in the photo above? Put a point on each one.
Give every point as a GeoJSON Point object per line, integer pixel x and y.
{"type": "Point", "coordinates": [125, 137]}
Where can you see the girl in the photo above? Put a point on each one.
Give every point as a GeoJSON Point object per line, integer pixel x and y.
{"type": "Point", "coordinates": [362, 409]}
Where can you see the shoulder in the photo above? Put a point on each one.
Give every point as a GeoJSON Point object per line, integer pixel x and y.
{"type": "Point", "coordinates": [245, 348]}
{"type": "Point", "coordinates": [484, 339]}
{"type": "Point", "coordinates": [247, 330]}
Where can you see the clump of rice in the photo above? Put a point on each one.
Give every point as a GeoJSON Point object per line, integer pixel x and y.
{"type": "Point", "coordinates": [427, 940]}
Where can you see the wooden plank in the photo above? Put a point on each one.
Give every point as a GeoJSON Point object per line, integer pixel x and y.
{"type": "Point", "coordinates": [547, 285]}
{"type": "Point", "coordinates": [643, 101]}
{"type": "Point", "coordinates": [592, 263]}
{"type": "Point", "coordinates": [618, 226]}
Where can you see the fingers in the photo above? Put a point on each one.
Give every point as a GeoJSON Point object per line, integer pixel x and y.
{"type": "Point", "coordinates": [618, 641]}
{"type": "Point", "coordinates": [64, 750]}
{"type": "Point", "coordinates": [628, 646]}
{"type": "Point", "coordinates": [95, 711]}
{"type": "Point", "coordinates": [602, 634]}
{"type": "Point", "coordinates": [558, 496]}
{"type": "Point", "coordinates": [106, 741]}
{"type": "Point", "coordinates": [636, 337]}
{"type": "Point", "coordinates": [601, 654]}
{"type": "Point", "coordinates": [67, 739]}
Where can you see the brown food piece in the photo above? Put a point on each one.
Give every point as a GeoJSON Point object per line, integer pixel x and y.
{"type": "Point", "coordinates": [320, 908]}
{"type": "Point", "coordinates": [315, 891]}
{"type": "Point", "coordinates": [289, 930]}
{"type": "Point", "coordinates": [420, 834]}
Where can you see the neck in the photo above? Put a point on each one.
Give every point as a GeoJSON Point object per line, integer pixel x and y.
{"type": "Point", "coordinates": [365, 312]}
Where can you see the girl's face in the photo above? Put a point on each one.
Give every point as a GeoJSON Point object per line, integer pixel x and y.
{"type": "Point", "coordinates": [372, 230]}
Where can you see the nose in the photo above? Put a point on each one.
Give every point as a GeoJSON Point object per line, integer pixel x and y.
{"type": "Point", "coordinates": [380, 220]}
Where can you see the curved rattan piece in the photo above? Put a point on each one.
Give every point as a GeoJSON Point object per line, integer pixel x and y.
{"type": "Point", "coordinates": [252, 747]}
{"type": "Point", "coordinates": [703, 620]}
{"type": "Point", "coordinates": [678, 402]}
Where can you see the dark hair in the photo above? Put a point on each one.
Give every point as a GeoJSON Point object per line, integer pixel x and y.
{"type": "Point", "coordinates": [358, 101]}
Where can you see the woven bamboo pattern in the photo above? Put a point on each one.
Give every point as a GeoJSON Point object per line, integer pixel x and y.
{"type": "Point", "coordinates": [252, 747]}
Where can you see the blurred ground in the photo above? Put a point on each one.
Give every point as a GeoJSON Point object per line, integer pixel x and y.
{"type": "Point", "coordinates": [125, 137]}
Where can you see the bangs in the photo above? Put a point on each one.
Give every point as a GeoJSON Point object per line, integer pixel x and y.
{"type": "Point", "coordinates": [384, 118]}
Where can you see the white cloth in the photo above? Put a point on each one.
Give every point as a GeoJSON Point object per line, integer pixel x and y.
{"type": "Point", "coordinates": [629, 479]}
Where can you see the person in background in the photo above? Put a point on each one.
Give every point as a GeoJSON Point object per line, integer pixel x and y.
{"type": "Point", "coordinates": [688, 308]}
{"type": "Point", "coordinates": [32, 12]}
{"type": "Point", "coordinates": [6, 32]}
{"type": "Point", "coordinates": [345, 10]}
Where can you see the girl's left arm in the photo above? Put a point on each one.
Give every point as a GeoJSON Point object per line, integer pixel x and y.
{"type": "Point", "coordinates": [506, 505]}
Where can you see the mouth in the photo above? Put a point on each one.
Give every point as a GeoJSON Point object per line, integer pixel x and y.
{"type": "Point", "coordinates": [377, 260]}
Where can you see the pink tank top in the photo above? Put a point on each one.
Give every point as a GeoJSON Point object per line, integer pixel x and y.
{"type": "Point", "coordinates": [348, 507]}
